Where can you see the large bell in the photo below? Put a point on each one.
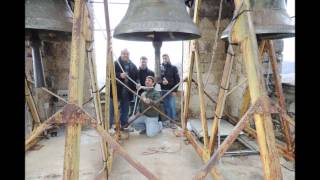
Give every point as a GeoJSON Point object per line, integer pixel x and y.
{"type": "Point", "coordinates": [163, 20]}
{"type": "Point", "coordinates": [156, 21]}
{"type": "Point", "coordinates": [270, 20]}
{"type": "Point", "coordinates": [48, 15]}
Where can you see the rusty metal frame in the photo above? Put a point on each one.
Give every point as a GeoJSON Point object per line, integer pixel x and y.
{"type": "Point", "coordinates": [227, 142]}
{"type": "Point", "coordinates": [149, 105]}
{"type": "Point", "coordinates": [72, 115]}
{"type": "Point", "coordinates": [266, 110]}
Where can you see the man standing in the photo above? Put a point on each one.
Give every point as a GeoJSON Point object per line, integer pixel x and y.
{"type": "Point", "coordinates": [144, 71]}
{"type": "Point", "coordinates": [148, 123]}
{"type": "Point", "coordinates": [124, 69]}
{"type": "Point", "coordinates": [170, 78]}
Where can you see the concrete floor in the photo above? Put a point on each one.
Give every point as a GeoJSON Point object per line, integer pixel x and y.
{"type": "Point", "coordinates": [179, 162]}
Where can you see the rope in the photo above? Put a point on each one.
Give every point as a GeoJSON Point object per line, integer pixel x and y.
{"type": "Point", "coordinates": [160, 149]}
{"type": "Point", "coordinates": [286, 167]}
{"type": "Point", "coordinates": [238, 15]}
{"type": "Point", "coordinates": [214, 49]}
{"type": "Point", "coordinates": [125, 72]}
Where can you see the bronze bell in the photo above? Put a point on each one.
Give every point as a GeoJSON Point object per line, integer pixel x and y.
{"type": "Point", "coordinates": [164, 20]}
{"type": "Point", "coordinates": [42, 18]}
{"type": "Point", "coordinates": [156, 21]}
{"type": "Point", "coordinates": [52, 15]}
{"type": "Point", "coordinates": [270, 20]}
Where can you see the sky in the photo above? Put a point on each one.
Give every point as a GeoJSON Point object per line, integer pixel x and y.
{"type": "Point", "coordinates": [289, 43]}
{"type": "Point", "coordinates": [138, 49]}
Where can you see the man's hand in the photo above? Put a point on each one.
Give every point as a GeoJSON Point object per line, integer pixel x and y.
{"type": "Point", "coordinates": [123, 75]}
{"type": "Point", "coordinates": [138, 86]}
{"type": "Point", "coordinates": [173, 94]}
{"type": "Point", "coordinates": [146, 100]}
{"type": "Point", "coordinates": [165, 81]}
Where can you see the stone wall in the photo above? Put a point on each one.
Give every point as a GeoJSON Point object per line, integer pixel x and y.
{"type": "Point", "coordinates": [208, 26]}
{"type": "Point", "coordinates": [56, 64]}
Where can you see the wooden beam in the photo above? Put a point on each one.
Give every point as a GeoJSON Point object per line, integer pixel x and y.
{"type": "Point", "coordinates": [224, 86]}
{"type": "Point", "coordinates": [50, 92]}
{"type": "Point", "coordinates": [116, 146]}
{"type": "Point", "coordinates": [96, 94]}
{"type": "Point", "coordinates": [244, 34]}
{"type": "Point", "coordinates": [94, 84]}
{"type": "Point", "coordinates": [184, 121]}
{"type": "Point", "coordinates": [225, 145]}
{"type": "Point", "coordinates": [45, 125]}
{"type": "Point", "coordinates": [201, 98]}
{"type": "Point", "coordinates": [76, 79]}
{"type": "Point", "coordinates": [110, 79]}
{"type": "Point", "coordinates": [32, 107]}
{"type": "Point", "coordinates": [280, 95]}
{"type": "Point", "coordinates": [187, 94]}
{"type": "Point", "coordinates": [202, 153]}
{"type": "Point", "coordinates": [150, 105]}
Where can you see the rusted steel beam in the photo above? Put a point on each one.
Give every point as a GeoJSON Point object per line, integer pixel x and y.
{"type": "Point", "coordinates": [50, 92]}
{"type": "Point", "coordinates": [279, 93]}
{"type": "Point", "coordinates": [121, 151]}
{"type": "Point", "coordinates": [285, 153]}
{"type": "Point", "coordinates": [114, 94]}
{"type": "Point", "coordinates": [96, 97]}
{"type": "Point", "coordinates": [109, 155]}
{"type": "Point", "coordinates": [156, 102]}
{"type": "Point", "coordinates": [60, 98]}
{"type": "Point", "coordinates": [188, 92]}
{"type": "Point", "coordinates": [201, 97]}
{"type": "Point", "coordinates": [152, 106]}
{"type": "Point", "coordinates": [262, 46]}
{"type": "Point", "coordinates": [32, 107]}
{"type": "Point", "coordinates": [224, 86]}
{"type": "Point", "coordinates": [76, 79]}
{"type": "Point", "coordinates": [246, 97]}
{"type": "Point", "coordinates": [202, 153]}
{"type": "Point", "coordinates": [197, 5]}
{"type": "Point", "coordinates": [236, 87]}
{"type": "Point", "coordinates": [198, 147]}
{"type": "Point", "coordinates": [91, 98]}
{"type": "Point", "coordinates": [252, 132]}
{"type": "Point", "coordinates": [94, 85]}
{"type": "Point", "coordinates": [225, 145]}
{"type": "Point", "coordinates": [40, 129]}
{"type": "Point", "coordinates": [244, 34]}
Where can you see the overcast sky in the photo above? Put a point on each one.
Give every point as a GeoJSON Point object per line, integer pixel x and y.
{"type": "Point", "coordinates": [138, 49]}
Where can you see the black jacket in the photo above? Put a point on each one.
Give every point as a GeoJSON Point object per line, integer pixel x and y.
{"type": "Point", "coordinates": [133, 74]}
{"type": "Point", "coordinates": [143, 73]}
{"type": "Point", "coordinates": [170, 72]}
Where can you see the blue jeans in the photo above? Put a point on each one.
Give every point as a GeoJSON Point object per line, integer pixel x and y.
{"type": "Point", "coordinates": [150, 124]}
{"type": "Point", "coordinates": [169, 105]}
{"type": "Point", "coordinates": [124, 110]}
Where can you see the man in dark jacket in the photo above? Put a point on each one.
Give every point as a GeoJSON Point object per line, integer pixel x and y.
{"type": "Point", "coordinates": [124, 68]}
{"type": "Point", "coordinates": [170, 78]}
{"type": "Point", "coordinates": [143, 72]}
